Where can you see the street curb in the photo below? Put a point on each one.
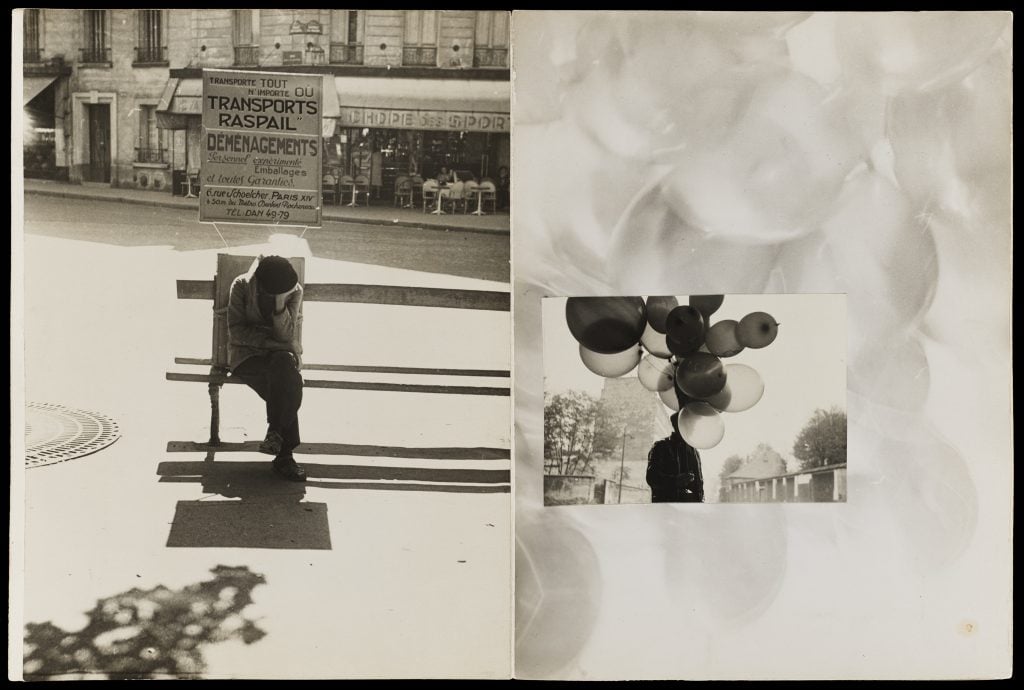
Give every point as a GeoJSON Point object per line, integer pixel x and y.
{"type": "Point", "coordinates": [70, 194]}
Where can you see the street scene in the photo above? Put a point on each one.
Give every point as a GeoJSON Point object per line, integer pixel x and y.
{"type": "Point", "coordinates": [159, 541]}
{"type": "Point", "coordinates": [759, 395]}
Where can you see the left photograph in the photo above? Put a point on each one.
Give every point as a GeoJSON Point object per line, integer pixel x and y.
{"type": "Point", "coordinates": [265, 344]}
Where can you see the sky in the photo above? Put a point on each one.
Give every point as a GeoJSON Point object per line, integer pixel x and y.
{"type": "Point", "coordinates": [803, 370]}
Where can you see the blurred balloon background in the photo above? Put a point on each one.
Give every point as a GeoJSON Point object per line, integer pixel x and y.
{"type": "Point", "coordinates": [725, 153]}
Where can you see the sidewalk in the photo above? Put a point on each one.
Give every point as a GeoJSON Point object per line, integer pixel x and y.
{"type": "Point", "coordinates": [373, 215]}
{"type": "Point", "coordinates": [378, 566]}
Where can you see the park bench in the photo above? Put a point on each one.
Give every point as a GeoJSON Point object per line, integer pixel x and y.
{"type": "Point", "coordinates": [218, 290]}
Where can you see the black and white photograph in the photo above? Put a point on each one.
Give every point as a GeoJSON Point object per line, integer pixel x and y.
{"type": "Point", "coordinates": [262, 276]}
{"type": "Point", "coordinates": [766, 157]}
{"type": "Point", "coordinates": [307, 384]}
{"type": "Point", "coordinates": [694, 399]}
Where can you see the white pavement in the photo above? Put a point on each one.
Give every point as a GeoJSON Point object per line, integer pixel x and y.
{"type": "Point", "coordinates": [414, 582]}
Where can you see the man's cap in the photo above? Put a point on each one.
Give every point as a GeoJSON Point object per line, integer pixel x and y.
{"type": "Point", "coordinates": [275, 275]}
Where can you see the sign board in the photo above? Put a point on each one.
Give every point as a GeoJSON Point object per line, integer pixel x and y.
{"type": "Point", "coordinates": [448, 120]}
{"type": "Point", "coordinates": [262, 157]}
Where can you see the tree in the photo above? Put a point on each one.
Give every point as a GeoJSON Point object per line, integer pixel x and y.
{"type": "Point", "coordinates": [731, 464]}
{"type": "Point", "coordinates": [823, 440]}
{"type": "Point", "coordinates": [569, 432]}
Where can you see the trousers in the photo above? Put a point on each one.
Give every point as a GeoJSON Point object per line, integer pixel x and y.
{"type": "Point", "coordinates": [275, 377]}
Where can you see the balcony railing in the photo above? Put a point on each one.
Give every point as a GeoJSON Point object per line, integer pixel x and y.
{"type": "Point", "coordinates": [419, 55]}
{"type": "Point", "coordinates": [150, 55]}
{"type": "Point", "coordinates": [345, 54]}
{"type": "Point", "coordinates": [247, 56]}
{"type": "Point", "coordinates": [150, 155]}
{"type": "Point", "coordinates": [96, 55]}
{"type": "Point", "coordinates": [490, 57]}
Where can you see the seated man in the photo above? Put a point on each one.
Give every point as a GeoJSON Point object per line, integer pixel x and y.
{"type": "Point", "coordinates": [673, 470]}
{"type": "Point", "coordinates": [265, 353]}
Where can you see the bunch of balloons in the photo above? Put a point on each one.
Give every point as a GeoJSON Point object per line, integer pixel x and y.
{"type": "Point", "coordinates": [684, 353]}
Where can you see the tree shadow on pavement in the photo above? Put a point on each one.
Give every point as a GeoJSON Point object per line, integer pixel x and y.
{"type": "Point", "coordinates": [269, 514]}
{"type": "Point", "coordinates": [157, 632]}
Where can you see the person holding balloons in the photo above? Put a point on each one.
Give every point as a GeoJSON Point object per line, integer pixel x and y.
{"type": "Point", "coordinates": [673, 470]}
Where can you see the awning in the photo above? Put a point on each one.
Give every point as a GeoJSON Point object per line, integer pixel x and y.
{"type": "Point", "coordinates": [181, 99]}
{"type": "Point", "coordinates": [467, 105]}
{"type": "Point", "coordinates": [34, 86]}
{"type": "Point", "coordinates": [466, 95]}
{"type": "Point", "coordinates": [184, 97]}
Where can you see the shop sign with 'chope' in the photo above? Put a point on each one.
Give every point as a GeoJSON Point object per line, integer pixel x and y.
{"type": "Point", "coordinates": [449, 120]}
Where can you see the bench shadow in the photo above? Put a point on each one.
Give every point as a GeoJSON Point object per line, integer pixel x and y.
{"type": "Point", "coordinates": [266, 512]}
{"type": "Point", "coordinates": [245, 478]}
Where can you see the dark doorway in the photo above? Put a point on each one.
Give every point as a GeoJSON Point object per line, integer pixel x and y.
{"type": "Point", "coordinates": [98, 169]}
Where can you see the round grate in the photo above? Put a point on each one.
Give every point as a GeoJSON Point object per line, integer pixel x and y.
{"type": "Point", "coordinates": [54, 433]}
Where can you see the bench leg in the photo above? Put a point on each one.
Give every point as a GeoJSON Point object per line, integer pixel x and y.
{"type": "Point", "coordinates": [215, 414]}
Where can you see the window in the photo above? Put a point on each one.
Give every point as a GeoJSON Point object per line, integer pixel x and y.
{"type": "Point", "coordinates": [346, 38]}
{"type": "Point", "coordinates": [420, 40]}
{"type": "Point", "coordinates": [245, 33]}
{"type": "Point", "coordinates": [150, 49]}
{"type": "Point", "coordinates": [148, 149]}
{"type": "Point", "coordinates": [95, 40]}
{"type": "Point", "coordinates": [492, 38]}
{"type": "Point", "coordinates": [33, 45]}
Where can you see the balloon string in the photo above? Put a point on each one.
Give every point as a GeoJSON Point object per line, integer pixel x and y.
{"type": "Point", "coordinates": [304, 229]}
{"type": "Point", "coordinates": [221, 236]}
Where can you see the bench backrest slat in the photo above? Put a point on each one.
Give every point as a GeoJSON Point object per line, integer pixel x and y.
{"type": "Point", "coordinates": [375, 294]}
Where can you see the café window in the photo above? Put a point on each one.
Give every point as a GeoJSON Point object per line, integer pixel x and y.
{"type": "Point", "coordinates": [95, 48]}
{"type": "Point", "coordinates": [33, 40]}
{"type": "Point", "coordinates": [148, 149]}
{"type": "Point", "coordinates": [492, 39]}
{"type": "Point", "coordinates": [151, 49]}
{"type": "Point", "coordinates": [346, 37]}
{"type": "Point", "coordinates": [420, 38]}
{"type": "Point", "coordinates": [245, 34]}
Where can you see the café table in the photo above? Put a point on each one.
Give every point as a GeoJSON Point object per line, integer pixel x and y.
{"type": "Point", "coordinates": [440, 211]}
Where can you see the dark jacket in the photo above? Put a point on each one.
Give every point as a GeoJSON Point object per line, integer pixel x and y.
{"type": "Point", "coordinates": [673, 471]}
{"type": "Point", "coordinates": [249, 331]}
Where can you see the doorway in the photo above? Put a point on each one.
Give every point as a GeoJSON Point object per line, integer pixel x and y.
{"type": "Point", "coordinates": [98, 167]}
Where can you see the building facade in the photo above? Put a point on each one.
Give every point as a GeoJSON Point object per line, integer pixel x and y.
{"type": "Point", "coordinates": [813, 485]}
{"type": "Point", "coordinates": [115, 95]}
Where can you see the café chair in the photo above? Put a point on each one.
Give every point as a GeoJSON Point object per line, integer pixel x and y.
{"type": "Point", "coordinates": [403, 192]}
{"type": "Point", "coordinates": [362, 183]}
{"type": "Point", "coordinates": [429, 194]}
{"type": "Point", "coordinates": [490, 195]}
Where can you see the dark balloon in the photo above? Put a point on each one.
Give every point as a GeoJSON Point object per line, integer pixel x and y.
{"type": "Point", "coordinates": [606, 325]}
{"type": "Point", "coordinates": [701, 375]}
{"type": "Point", "coordinates": [658, 309]}
{"type": "Point", "coordinates": [684, 330]}
{"type": "Point", "coordinates": [706, 304]}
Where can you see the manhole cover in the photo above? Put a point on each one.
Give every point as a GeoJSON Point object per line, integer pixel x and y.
{"type": "Point", "coordinates": [54, 433]}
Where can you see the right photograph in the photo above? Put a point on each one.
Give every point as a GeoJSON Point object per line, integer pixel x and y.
{"type": "Point", "coordinates": [694, 399]}
{"type": "Point", "coordinates": [762, 297]}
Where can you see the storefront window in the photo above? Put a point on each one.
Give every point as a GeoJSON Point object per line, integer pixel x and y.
{"type": "Point", "coordinates": [385, 154]}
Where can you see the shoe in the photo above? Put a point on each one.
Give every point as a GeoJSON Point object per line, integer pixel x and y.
{"type": "Point", "coordinates": [286, 466]}
{"type": "Point", "coordinates": [271, 445]}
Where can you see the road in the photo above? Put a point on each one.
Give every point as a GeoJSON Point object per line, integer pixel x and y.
{"type": "Point", "coordinates": [465, 254]}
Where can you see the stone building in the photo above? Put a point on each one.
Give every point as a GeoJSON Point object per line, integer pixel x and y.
{"type": "Point", "coordinates": [115, 94]}
{"type": "Point", "coordinates": [626, 428]}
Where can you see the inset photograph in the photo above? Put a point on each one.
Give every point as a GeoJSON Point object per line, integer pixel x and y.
{"type": "Point", "coordinates": [695, 399]}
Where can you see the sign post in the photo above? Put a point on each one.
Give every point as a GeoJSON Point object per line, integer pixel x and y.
{"type": "Point", "coordinates": [262, 149]}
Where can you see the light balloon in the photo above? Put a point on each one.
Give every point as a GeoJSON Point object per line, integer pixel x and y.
{"type": "Point", "coordinates": [743, 389]}
{"type": "Point", "coordinates": [701, 426]}
{"type": "Point", "coordinates": [656, 374]}
{"type": "Point", "coordinates": [669, 398]}
{"type": "Point", "coordinates": [655, 342]}
{"type": "Point", "coordinates": [721, 339]}
{"type": "Point", "coordinates": [610, 365]}
{"type": "Point", "coordinates": [757, 330]}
